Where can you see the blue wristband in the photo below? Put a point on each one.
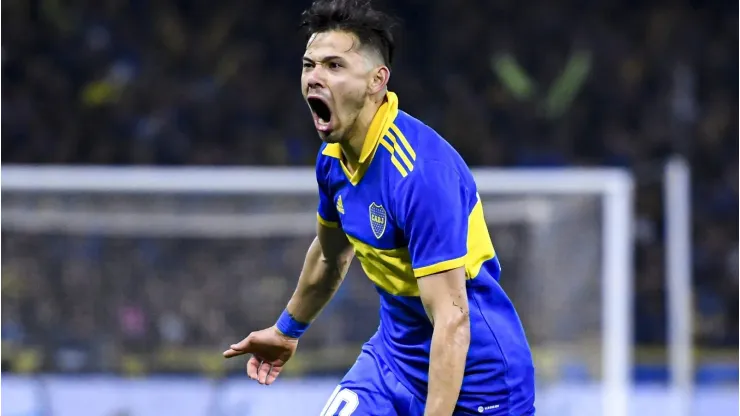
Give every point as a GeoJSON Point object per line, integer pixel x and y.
{"type": "Point", "coordinates": [289, 326]}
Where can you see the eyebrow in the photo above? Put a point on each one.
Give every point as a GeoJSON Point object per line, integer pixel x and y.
{"type": "Point", "coordinates": [325, 59]}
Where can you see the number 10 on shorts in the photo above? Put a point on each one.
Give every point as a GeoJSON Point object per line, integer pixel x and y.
{"type": "Point", "coordinates": [342, 398]}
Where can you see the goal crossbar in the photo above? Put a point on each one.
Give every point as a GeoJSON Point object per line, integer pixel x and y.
{"type": "Point", "coordinates": [286, 180]}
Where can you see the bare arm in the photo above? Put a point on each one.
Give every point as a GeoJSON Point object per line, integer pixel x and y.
{"type": "Point", "coordinates": [446, 302]}
{"type": "Point", "coordinates": [327, 261]}
{"type": "Point", "coordinates": [326, 264]}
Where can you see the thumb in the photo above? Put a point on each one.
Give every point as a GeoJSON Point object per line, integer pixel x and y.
{"type": "Point", "coordinates": [242, 345]}
{"type": "Point", "coordinates": [240, 348]}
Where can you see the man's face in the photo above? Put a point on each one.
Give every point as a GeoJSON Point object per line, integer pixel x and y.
{"type": "Point", "coordinates": [335, 80]}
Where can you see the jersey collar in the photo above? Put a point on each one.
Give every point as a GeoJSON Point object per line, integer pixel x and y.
{"type": "Point", "coordinates": [380, 124]}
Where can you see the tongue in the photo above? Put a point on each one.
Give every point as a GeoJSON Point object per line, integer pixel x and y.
{"type": "Point", "coordinates": [322, 125]}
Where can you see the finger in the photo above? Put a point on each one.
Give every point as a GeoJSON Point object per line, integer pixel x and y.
{"type": "Point", "coordinates": [252, 366]}
{"type": "Point", "coordinates": [274, 373]}
{"type": "Point", "coordinates": [242, 345]}
{"type": "Point", "coordinates": [265, 369]}
{"type": "Point", "coordinates": [233, 353]}
{"type": "Point", "coordinates": [240, 348]}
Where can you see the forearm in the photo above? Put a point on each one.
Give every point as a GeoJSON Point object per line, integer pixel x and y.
{"type": "Point", "coordinates": [450, 342]}
{"type": "Point", "coordinates": [319, 280]}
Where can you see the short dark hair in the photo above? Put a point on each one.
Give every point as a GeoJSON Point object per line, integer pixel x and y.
{"type": "Point", "coordinates": [372, 27]}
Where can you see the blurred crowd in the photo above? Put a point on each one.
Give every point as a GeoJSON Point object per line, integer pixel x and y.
{"type": "Point", "coordinates": [192, 82]}
{"type": "Point", "coordinates": [91, 302]}
{"type": "Point", "coordinates": [117, 297]}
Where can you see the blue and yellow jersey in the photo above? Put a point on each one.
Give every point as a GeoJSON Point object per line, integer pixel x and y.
{"type": "Point", "coordinates": [412, 209]}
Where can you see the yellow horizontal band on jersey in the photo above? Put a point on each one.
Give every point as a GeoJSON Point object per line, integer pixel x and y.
{"type": "Point", "coordinates": [389, 269]}
{"type": "Point", "coordinates": [440, 267]}
{"type": "Point", "coordinates": [325, 223]}
{"type": "Point", "coordinates": [480, 248]}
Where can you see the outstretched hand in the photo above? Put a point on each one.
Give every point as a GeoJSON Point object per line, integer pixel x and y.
{"type": "Point", "coordinates": [270, 350]}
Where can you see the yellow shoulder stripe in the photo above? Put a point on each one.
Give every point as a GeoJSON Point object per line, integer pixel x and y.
{"type": "Point", "coordinates": [400, 152]}
{"type": "Point", "coordinates": [394, 159]}
{"type": "Point", "coordinates": [404, 142]}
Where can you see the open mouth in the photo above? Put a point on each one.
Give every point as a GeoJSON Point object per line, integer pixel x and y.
{"type": "Point", "coordinates": [321, 113]}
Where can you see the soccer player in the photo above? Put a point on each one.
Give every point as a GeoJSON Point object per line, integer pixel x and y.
{"type": "Point", "coordinates": [396, 195]}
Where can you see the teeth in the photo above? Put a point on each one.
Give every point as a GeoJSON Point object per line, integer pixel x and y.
{"type": "Point", "coordinates": [321, 120]}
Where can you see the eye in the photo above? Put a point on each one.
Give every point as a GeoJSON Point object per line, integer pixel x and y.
{"type": "Point", "coordinates": [334, 65]}
{"type": "Point", "coordinates": [307, 65]}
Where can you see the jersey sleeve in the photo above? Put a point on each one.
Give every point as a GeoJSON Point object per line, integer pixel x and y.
{"type": "Point", "coordinates": [327, 214]}
{"type": "Point", "coordinates": [431, 210]}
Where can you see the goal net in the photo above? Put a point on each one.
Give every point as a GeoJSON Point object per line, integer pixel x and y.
{"type": "Point", "coordinates": [158, 268]}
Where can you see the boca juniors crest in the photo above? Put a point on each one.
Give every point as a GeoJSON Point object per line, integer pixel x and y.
{"type": "Point", "coordinates": [378, 219]}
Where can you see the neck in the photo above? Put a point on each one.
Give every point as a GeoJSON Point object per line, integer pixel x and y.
{"type": "Point", "coordinates": [354, 142]}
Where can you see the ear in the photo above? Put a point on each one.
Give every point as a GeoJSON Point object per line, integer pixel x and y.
{"type": "Point", "coordinates": [380, 77]}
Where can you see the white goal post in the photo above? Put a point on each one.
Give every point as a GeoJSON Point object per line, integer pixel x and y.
{"type": "Point", "coordinates": [614, 187]}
